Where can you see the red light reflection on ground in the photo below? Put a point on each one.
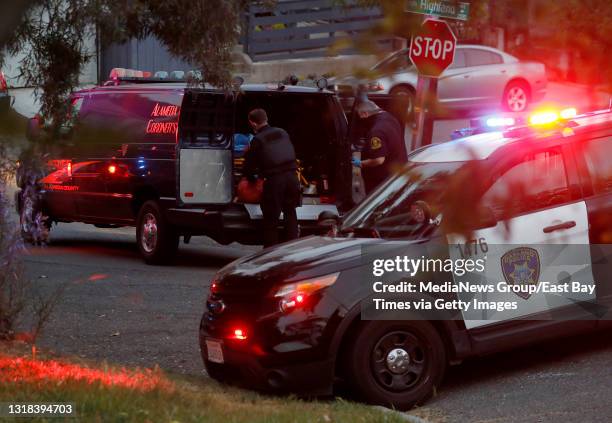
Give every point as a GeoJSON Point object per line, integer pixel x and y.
{"type": "Point", "coordinates": [97, 277]}
{"type": "Point", "coordinates": [24, 370]}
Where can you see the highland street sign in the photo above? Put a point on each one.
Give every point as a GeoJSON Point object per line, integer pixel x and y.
{"type": "Point", "coordinates": [440, 8]}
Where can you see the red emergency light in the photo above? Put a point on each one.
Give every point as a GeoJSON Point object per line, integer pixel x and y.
{"type": "Point", "coordinates": [239, 334]}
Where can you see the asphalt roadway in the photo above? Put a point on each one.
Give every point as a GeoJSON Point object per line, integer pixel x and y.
{"type": "Point", "coordinates": [116, 308]}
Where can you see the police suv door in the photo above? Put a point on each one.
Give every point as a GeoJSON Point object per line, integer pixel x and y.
{"type": "Point", "coordinates": [205, 156]}
{"type": "Point", "coordinates": [592, 153]}
{"type": "Point", "coordinates": [542, 234]}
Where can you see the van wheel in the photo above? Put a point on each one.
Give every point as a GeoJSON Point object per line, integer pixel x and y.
{"type": "Point", "coordinates": [396, 364]}
{"type": "Point", "coordinates": [157, 239]}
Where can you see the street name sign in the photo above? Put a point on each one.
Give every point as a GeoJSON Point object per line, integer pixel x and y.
{"type": "Point", "coordinates": [440, 8]}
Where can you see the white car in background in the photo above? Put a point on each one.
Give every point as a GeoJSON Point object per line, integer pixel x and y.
{"type": "Point", "coordinates": [479, 77]}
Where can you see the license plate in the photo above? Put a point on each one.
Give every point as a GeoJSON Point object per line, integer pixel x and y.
{"type": "Point", "coordinates": [214, 350]}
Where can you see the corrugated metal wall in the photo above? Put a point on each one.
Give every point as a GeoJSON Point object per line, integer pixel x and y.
{"type": "Point", "coordinates": [147, 55]}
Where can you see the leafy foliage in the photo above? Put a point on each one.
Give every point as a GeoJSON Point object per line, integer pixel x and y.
{"type": "Point", "coordinates": [55, 33]}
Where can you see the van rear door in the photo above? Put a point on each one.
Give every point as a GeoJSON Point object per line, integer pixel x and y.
{"type": "Point", "coordinates": [205, 148]}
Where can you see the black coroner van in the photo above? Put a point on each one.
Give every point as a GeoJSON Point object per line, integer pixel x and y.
{"type": "Point", "coordinates": [164, 157]}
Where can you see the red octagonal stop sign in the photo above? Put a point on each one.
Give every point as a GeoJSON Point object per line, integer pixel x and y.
{"type": "Point", "coordinates": [432, 49]}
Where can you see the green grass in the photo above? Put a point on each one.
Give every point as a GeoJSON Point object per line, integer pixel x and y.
{"type": "Point", "coordinates": [158, 397]}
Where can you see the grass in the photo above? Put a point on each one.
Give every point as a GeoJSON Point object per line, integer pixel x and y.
{"type": "Point", "coordinates": [103, 393]}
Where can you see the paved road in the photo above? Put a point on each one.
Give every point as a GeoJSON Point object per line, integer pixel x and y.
{"type": "Point", "coordinates": [118, 309]}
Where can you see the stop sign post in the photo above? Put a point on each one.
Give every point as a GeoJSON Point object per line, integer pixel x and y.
{"type": "Point", "coordinates": [432, 50]}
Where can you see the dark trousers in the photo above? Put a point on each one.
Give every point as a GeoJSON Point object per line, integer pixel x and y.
{"type": "Point", "coordinates": [281, 193]}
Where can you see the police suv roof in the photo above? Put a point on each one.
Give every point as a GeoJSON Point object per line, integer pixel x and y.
{"type": "Point", "coordinates": [481, 146]}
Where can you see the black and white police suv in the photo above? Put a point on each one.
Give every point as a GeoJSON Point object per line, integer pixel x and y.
{"type": "Point", "coordinates": [167, 158]}
{"type": "Point", "coordinates": [292, 318]}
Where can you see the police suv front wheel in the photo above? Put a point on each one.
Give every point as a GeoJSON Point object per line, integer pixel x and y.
{"type": "Point", "coordinates": [396, 364]}
{"type": "Point", "coordinates": [157, 239]}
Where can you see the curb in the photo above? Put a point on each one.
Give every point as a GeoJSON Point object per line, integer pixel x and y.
{"type": "Point", "coordinates": [404, 416]}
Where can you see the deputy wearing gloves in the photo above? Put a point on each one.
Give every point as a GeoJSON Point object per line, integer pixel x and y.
{"type": "Point", "coordinates": [271, 155]}
{"type": "Point", "coordinates": [384, 152]}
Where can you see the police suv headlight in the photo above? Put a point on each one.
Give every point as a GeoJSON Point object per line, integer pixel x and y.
{"type": "Point", "coordinates": [297, 294]}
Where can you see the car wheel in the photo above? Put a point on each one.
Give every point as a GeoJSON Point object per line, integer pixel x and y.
{"type": "Point", "coordinates": [396, 364]}
{"type": "Point", "coordinates": [407, 94]}
{"type": "Point", "coordinates": [516, 97]}
{"type": "Point", "coordinates": [157, 239]}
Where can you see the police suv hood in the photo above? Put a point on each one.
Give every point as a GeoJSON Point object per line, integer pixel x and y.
{"type": "Point", "coordinates": [300, 259]}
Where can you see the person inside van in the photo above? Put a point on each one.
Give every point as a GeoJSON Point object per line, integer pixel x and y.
{"type": "Point", "coordinates": [384, 151]}
{"type": "Point", "coordinates": [271, 156]}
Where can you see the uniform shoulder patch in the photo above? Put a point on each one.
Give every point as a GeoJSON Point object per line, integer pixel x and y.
{"type": "Point", "coordinates": [375, 143]}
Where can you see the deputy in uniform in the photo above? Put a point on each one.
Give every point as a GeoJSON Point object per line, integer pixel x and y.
{"type": "Point", "coordinates": [384, 151]}
{"type": "Point", "coordinates": [271, 155]}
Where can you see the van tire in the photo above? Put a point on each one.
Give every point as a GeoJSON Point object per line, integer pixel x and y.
{"type": "Point", "coordinates": [157, 239]}
{"type": "Point", "coordinates": [370, 370]}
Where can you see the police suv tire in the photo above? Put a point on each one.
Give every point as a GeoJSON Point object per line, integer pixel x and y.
{"type": "Point", "coordinates": [157, 240]}
{"type": "Point", "coordinates": [375, 342]}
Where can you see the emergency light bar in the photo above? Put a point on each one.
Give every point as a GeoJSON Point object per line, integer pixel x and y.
{"type": "Point", "coordinates": [516, 123]}
{"type": "Point", "coordinates": [496, 122]}
{"type": "Point", "coordinates": [547, 117]}
{"type": "Point", "coordinates": [118, 75]}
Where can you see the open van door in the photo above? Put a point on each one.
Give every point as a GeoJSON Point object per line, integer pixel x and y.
{"type": "Point", "coordinates": [205, 149]}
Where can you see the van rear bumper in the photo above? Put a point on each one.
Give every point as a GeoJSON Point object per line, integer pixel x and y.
{"type": "Point", "coordinates": [231, 224]}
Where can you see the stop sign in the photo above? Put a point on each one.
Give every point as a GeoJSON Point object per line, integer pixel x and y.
{"type": "Point", "coordinates": [432, 49]}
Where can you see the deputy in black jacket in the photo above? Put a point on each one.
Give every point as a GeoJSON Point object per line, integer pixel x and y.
{"type": "Point", "coordinates": [271, 155]}
{"type": "Point", "coordinates": [384, 152]}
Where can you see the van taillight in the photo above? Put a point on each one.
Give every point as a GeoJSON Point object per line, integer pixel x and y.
{"type": "Point", "coordinates": [3, 85]}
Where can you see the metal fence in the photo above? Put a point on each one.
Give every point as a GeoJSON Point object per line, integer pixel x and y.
{"type": "Point", "coordinates": [147, 54]}
{"type": "Point", "coordinates": [306, 28]}
{"type": "Point", "coordinates": [292, 29]}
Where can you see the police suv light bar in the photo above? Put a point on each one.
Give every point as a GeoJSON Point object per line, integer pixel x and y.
{"type": "Point", "coordinates": [496, 122]}
{"type": "Point", "coordinates": [504, 122]}
{"type": "Point", "coordinates": [547, 117]}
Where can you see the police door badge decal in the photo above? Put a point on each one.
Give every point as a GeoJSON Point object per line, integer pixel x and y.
{"type": "Point", "coordinates": [521, 266]}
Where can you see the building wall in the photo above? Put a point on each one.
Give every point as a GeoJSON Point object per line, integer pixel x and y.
{"type": "Point", "coordinates": [146, 55]}
{"type": "Point", "coordinates": [89, 74]}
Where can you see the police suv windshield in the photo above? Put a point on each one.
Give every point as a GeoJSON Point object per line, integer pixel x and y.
{"type": "Point", "coordinates": [406, 206]}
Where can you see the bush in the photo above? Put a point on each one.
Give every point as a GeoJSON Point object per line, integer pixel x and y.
{"type": "Point", "coordinates": [19, 299]}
